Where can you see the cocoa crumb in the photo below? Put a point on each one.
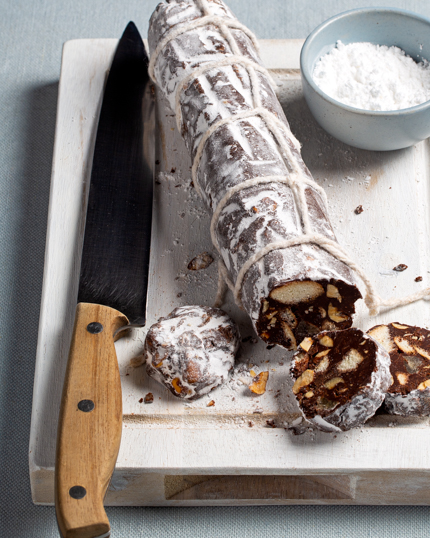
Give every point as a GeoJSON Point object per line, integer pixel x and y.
{"type": "Point", "coordinates": [158, 182]}
{"type": "Point", "coordinates": [211, 403]}
{"type": "Point", "coordinates": [270, 346]}
{"type": "Point", "coordinates": [149, 398]}
{"type": "Point", "coordinates": [173, 170]}
{"type": "Point", "coordinates": [401, 267]}
{"type": "Point", "coordinates": [157, 162]}
{"type": "Point", "coordinates": [359, 209]}
{"type": "Point", "coordinates": [202, 261]}
{"type": "Point", "coordinates": [246, 339]}
{"type": "Point", "coordinates": [419, 279]}
{"type": "Point", "coordinates": [178, 295]}
{"type": "Point", "coordinates": [250, 424]}
{"type": "Point", "coordinates": [141, 400]}
{"type": "Point", "coordinates": [271, 423]}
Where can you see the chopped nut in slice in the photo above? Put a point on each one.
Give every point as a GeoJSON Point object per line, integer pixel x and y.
{"type": "Point", "coordinates": [288, 316]}
{"type": "Point", "coordinates": [252, 373]}
{"type": "Point", "coordinates": [424, 385]}
{"type": "Point", "coordinates": [333, 293]}
{"type": "Point", "coordinates": [309, 394]}
{"type": "Point", "coordinates": [323, 365]}
{"type": "Point", "coordinates": [259, 384]}
{"type": "Point", "coordinates": [265, 306]}
{"type": "Point", "coordinates": [288, 333]}
{"type": "Point", "coordinates": [422, 352]}
{"type": "Point", "coordinates": [350, 361]}
{"type": "Point", "coordinates": [322, 312]}
{"type": "Point", "coordinates": [381, 333]}
{"type": "Point", "coordinates": [404, 345]}
{"type": "Point", "coordinates": [306, 344]}
{"type": "Point", "coordinates": [322, 353]}
{"type": "Point", "coordinates": [304, 380]}
{"type": "Point", "coordinates": [333, 382]}
{"type": "Point", "coordinates": [413, 364]}
{"type": "Point", "coordinates": [335, 315]}
{"type": "Point", "coordinates": [398, 326]}
{"type": "Point", "coordinates": [402, 378]}
{"type": "Point", "coordinates": [326, 341]}
{"type": "Point", "coordinates": [297, 292]}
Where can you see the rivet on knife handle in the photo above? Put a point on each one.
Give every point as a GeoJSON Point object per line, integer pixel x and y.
{"type": "Point", "coordinates": [90, 423]}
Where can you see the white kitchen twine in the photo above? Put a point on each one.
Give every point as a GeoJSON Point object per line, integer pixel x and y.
{"type": "Point", "coordinates": [297, 180]}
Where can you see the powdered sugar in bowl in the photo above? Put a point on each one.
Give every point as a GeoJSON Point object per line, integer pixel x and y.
{"type": "Point", "coordinates": [375, 129]}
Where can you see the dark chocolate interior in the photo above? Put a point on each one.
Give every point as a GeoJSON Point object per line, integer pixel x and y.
{"type": "Point", "coordinates": [316, 398]}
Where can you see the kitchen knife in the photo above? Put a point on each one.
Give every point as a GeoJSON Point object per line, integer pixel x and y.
{"type": "Point", "coordinates": [112, 292]}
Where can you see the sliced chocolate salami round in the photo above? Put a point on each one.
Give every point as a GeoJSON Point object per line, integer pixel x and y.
{"type": "Point", "coordinates": [192, 350]}
{"type": "Point", "coordinates": [340, 378]}
{"type": "Point", "coordinates": [409, 349]}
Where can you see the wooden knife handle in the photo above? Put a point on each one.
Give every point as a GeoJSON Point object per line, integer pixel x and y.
{"type": "Point", "coordinates": [90, 423]}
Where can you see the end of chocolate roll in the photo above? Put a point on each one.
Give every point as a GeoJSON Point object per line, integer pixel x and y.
{"type": "Point", "coordinates": [409, 350]}
{"type": "Point", "coordinates": [302, 308]}
{"type": "Point", "coordinates": [340, 378]}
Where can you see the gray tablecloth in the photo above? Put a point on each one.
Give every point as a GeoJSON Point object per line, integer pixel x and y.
{"type": "Point", "coordinates": [31, 35]}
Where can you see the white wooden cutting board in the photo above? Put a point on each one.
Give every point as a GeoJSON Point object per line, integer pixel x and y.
{"type": "Point", "coordinates": [190, 454]}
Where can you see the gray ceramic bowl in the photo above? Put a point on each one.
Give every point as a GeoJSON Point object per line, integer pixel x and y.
{"type": "Point", "coordinates": [368, 129]}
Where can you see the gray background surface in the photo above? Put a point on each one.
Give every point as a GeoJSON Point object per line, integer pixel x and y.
{"type": "Point", "coordinates": [31, 36]}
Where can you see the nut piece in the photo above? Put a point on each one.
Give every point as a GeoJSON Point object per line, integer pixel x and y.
{"type": "Point", "coordinates": [403, 378]}
{"type": "Point", "coordinates": [350, 361]}
{"type": "Point", "coordinates": [288, 316]}
{"type": "Point", "coordinates": [333, 293]}
{"type": "Point", "coordinates": [149, 398]}
{"type": "Point", "coordinates": [177, 385]}
{"type": "Point", "coordinates": [422, 352]}
{"type": "Point", "coordinates": [322, 353]}
{"type": "Point", "coordinates": [404, 345]}
{"type": "Point", "coordinates": [202, 261]}
{"type": "Point", "coordinates": [288, 333]}
{"type": "Point", "coordinates": [333, 382]}
{"type": "Point", "coordinates": [259, 384]}
{"type": "Point", "coordinates": [335, 315]}
{"type": "Point", "coordinates": [381, 333]}
{"type": "Point", "coordinates": [297, 292]}
{"type": "Point", "coordinates": [307, 343]}
{"type": "Point", "coordinates": [398, 326]}
{"type": "Point", "coordinates": [323, 313]}
{"type": "Point", "coordinates": [323, 365]}
{"type": "Point", "coordinates": [326, 341]}
{"type": "Point", "coordinates": [303, 381]}
{"type": "Point", "coordinates": [424, 385]}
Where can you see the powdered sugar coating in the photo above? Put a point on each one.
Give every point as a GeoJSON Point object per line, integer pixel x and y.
{"type": "Point", "coordinates": [192, 350]}
{"type": "Point", "coordinates": [414, 404]}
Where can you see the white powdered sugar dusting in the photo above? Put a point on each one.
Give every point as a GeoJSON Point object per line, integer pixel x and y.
{"type": "Point", "coordinates": [373, 77]}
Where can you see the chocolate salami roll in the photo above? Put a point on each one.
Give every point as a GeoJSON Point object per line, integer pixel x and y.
{"type": "Point", "coordinates": [340, 378]}
{"type": "Point", "coordinates": [192, 350]}
{"type": "Point", "coordinates": [248, 169]}
{"type": "Point", "coordinates": [409, 349]}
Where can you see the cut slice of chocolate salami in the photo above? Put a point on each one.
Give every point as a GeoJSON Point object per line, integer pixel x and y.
{"type": "Point", "coordinates": [340, 378]}
{"type": "Point", "coordinates": [409, 349]}
{"type": "Point", "coordinates": [249, 172]}
{"type": "Point", "coordinates": [192, 350]}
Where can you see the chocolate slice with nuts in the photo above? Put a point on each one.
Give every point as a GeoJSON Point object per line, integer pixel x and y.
{"type": "Point", "coordinates": [409, 349]}
{"type": "Point", "coordinates": [340, 378]}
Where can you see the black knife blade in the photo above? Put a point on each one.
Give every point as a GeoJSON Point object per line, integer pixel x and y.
{"type": "Point", "coordinates": [112, 292]}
